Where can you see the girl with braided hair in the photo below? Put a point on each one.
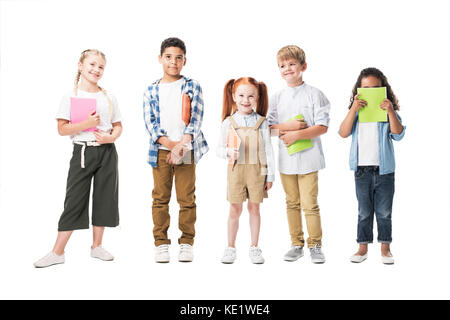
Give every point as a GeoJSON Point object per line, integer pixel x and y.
{"type": "Point", "coordinates": [94, 157]}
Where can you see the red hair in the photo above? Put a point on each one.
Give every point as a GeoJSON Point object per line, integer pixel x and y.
{"type": "Point", "coordinates": [229, 107]}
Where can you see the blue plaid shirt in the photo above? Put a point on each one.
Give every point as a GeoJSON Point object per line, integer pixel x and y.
{"type": "Point", "coordinates": [153, 124]}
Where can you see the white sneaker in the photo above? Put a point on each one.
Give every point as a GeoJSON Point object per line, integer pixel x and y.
{"type": "Point", "coordinates": [49, 260]}
{"type": "Point", "coordinates": [255, 254]}
{"type": "Point", "coordinates": [102, 254]}
{"type": "Point", "coordinates": [162, 253]}
{"type": "Point", "coordinates": [186, 253]}
{"type": "Point", "coordinates": [229, 256]}
{"type": "Point", "coordinates": [358, 259]}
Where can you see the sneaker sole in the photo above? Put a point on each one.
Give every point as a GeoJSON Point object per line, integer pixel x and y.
{"type": "Point", "coordinates": [292, 259]}
{"type": "Point", "coordinates": [102, 259]}
{"type": "Point", "coordinates": [358, 260]}
{"type": "Point", "coordinates": [258, 262]}
{"type": "Point", "coordinates": [184, 260]}
{"type": "Point", "coordinates": [53, 264]}
{"type": "Point", "coordinates": [318, 261]}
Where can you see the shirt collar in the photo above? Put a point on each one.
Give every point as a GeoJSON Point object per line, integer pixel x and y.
{"type": "Point", "coordinates": [186, 79]}
{"type": "Point", "coordinates": [245, 117]}
{"type": "Point", "coordinates": [295, 90]}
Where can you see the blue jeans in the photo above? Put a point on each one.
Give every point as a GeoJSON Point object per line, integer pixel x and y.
{"type": "Point", "coordinates": [375, 193]}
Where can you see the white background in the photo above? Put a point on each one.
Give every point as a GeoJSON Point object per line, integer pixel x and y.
{"type": "Point", "coordinates": [40, 46]}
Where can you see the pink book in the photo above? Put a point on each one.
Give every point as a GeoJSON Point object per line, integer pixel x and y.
{"type": "Point", "coordinates": [81, 108]}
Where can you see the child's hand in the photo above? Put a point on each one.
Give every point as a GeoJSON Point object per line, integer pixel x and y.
{"type": "Point", "coordinates": [267, 186]}
{"type": "Point", "coordinates": [296, 124]}
{"type": "Point", "coordinates": [177, 153]}
{"type": "Point", "coordinates": [172, 144]}
{"type": "Point", "coordinates": [178, 150]}
{"type": "Point", "coordinates": [358, 104]}
{"type": "Point", "coordinates": [92, 120]}
{"type": "Point", "coordinates": [288, 137]}
{"type": "Point", "coordinates": [173, 159]}
{"type": "Point", "coordinates": [387, 105]}
{"type": "Point", "coordinates": [103, 137]}
{"type": "Point", "coordinates": [233, 154]}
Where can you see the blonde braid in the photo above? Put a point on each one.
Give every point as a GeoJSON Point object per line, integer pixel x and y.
{"type": "Point", "coordinates": [77, 79]}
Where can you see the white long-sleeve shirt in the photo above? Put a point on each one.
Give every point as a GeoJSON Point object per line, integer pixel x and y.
{"type": "Point", "coordinates": [315, 108]}
{"type": "Point", "coordinates": [248, 121]}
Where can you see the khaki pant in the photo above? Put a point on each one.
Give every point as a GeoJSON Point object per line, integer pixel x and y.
{"type": "Point", "coordinates": [301, 193]}
{"type": "Point", "coordinates": [185, 189]}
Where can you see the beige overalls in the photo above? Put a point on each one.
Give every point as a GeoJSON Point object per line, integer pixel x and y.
{"type": "Point", "coordinates": [247, 176]}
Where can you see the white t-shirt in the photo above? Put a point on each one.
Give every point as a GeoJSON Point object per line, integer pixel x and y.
{"type": "Point", "coordinates": [170, 100]}
{"type": "Point", "coordinates": [368, 144]}
{"type": "Point", "coordinates": [107, 118]}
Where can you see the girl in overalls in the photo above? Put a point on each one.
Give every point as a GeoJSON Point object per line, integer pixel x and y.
{"type": "Point", "coordinates": [94, 157]}
{"type": "Point", "coordinates": [245, 142]}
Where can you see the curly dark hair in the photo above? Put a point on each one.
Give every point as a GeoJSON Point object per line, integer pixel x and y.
{"type": "Point", "coordinates": [173, 42]}
{"type": "Point", "coordinates": [384, 83]}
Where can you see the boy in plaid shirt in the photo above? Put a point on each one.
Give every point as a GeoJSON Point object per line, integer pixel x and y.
{"type": "Point", "coordinates": [176, 145]}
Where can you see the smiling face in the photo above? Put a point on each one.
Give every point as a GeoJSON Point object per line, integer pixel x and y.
{"type": "Point", "coordinates": [291, 71]}
{"type": "Point", "coordinates": [246, 98]}
{"type": "Point", "coordinates": [173, 61]}
{"type": "Point", "coordinates": [92, 68]}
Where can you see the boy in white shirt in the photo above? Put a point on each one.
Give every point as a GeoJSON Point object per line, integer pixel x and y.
{"type": "Point", "coordinates": [299, 171]}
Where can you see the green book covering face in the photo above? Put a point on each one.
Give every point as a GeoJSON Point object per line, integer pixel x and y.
{"type": "Point", "coordinates": [372, 112]}
{"type": "Point", "coordinates": [299, 145]}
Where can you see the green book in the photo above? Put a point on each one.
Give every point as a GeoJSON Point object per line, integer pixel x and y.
{"type": "Point", "coordinates": [299, 145]}
{"type": "Point", "coordinates": [372, 112]}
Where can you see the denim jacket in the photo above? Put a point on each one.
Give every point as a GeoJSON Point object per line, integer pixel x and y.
{"type": "Point", "coordinates": [385, 146]}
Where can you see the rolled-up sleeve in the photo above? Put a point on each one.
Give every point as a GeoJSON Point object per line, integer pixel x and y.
{"type": "Point", "coordinates": [195, 123]}
{"type": "Point", "coordinates": [321, 109]}
{"type": "Point", "coordinates": [150, 120]}
{"type": "Point", "coordinates": [398, 137]}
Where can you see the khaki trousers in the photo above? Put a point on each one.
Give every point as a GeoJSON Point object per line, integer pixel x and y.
{"type": "Point", "coordinates": [301, 193]}
{"type": "Point", "coordinates": [185, 189]}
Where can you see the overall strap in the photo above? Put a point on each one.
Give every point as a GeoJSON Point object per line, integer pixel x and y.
{"type": "Point", "coordinates": [258, 123]}
{"type": "Point", "coordinates": [233, 122]}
